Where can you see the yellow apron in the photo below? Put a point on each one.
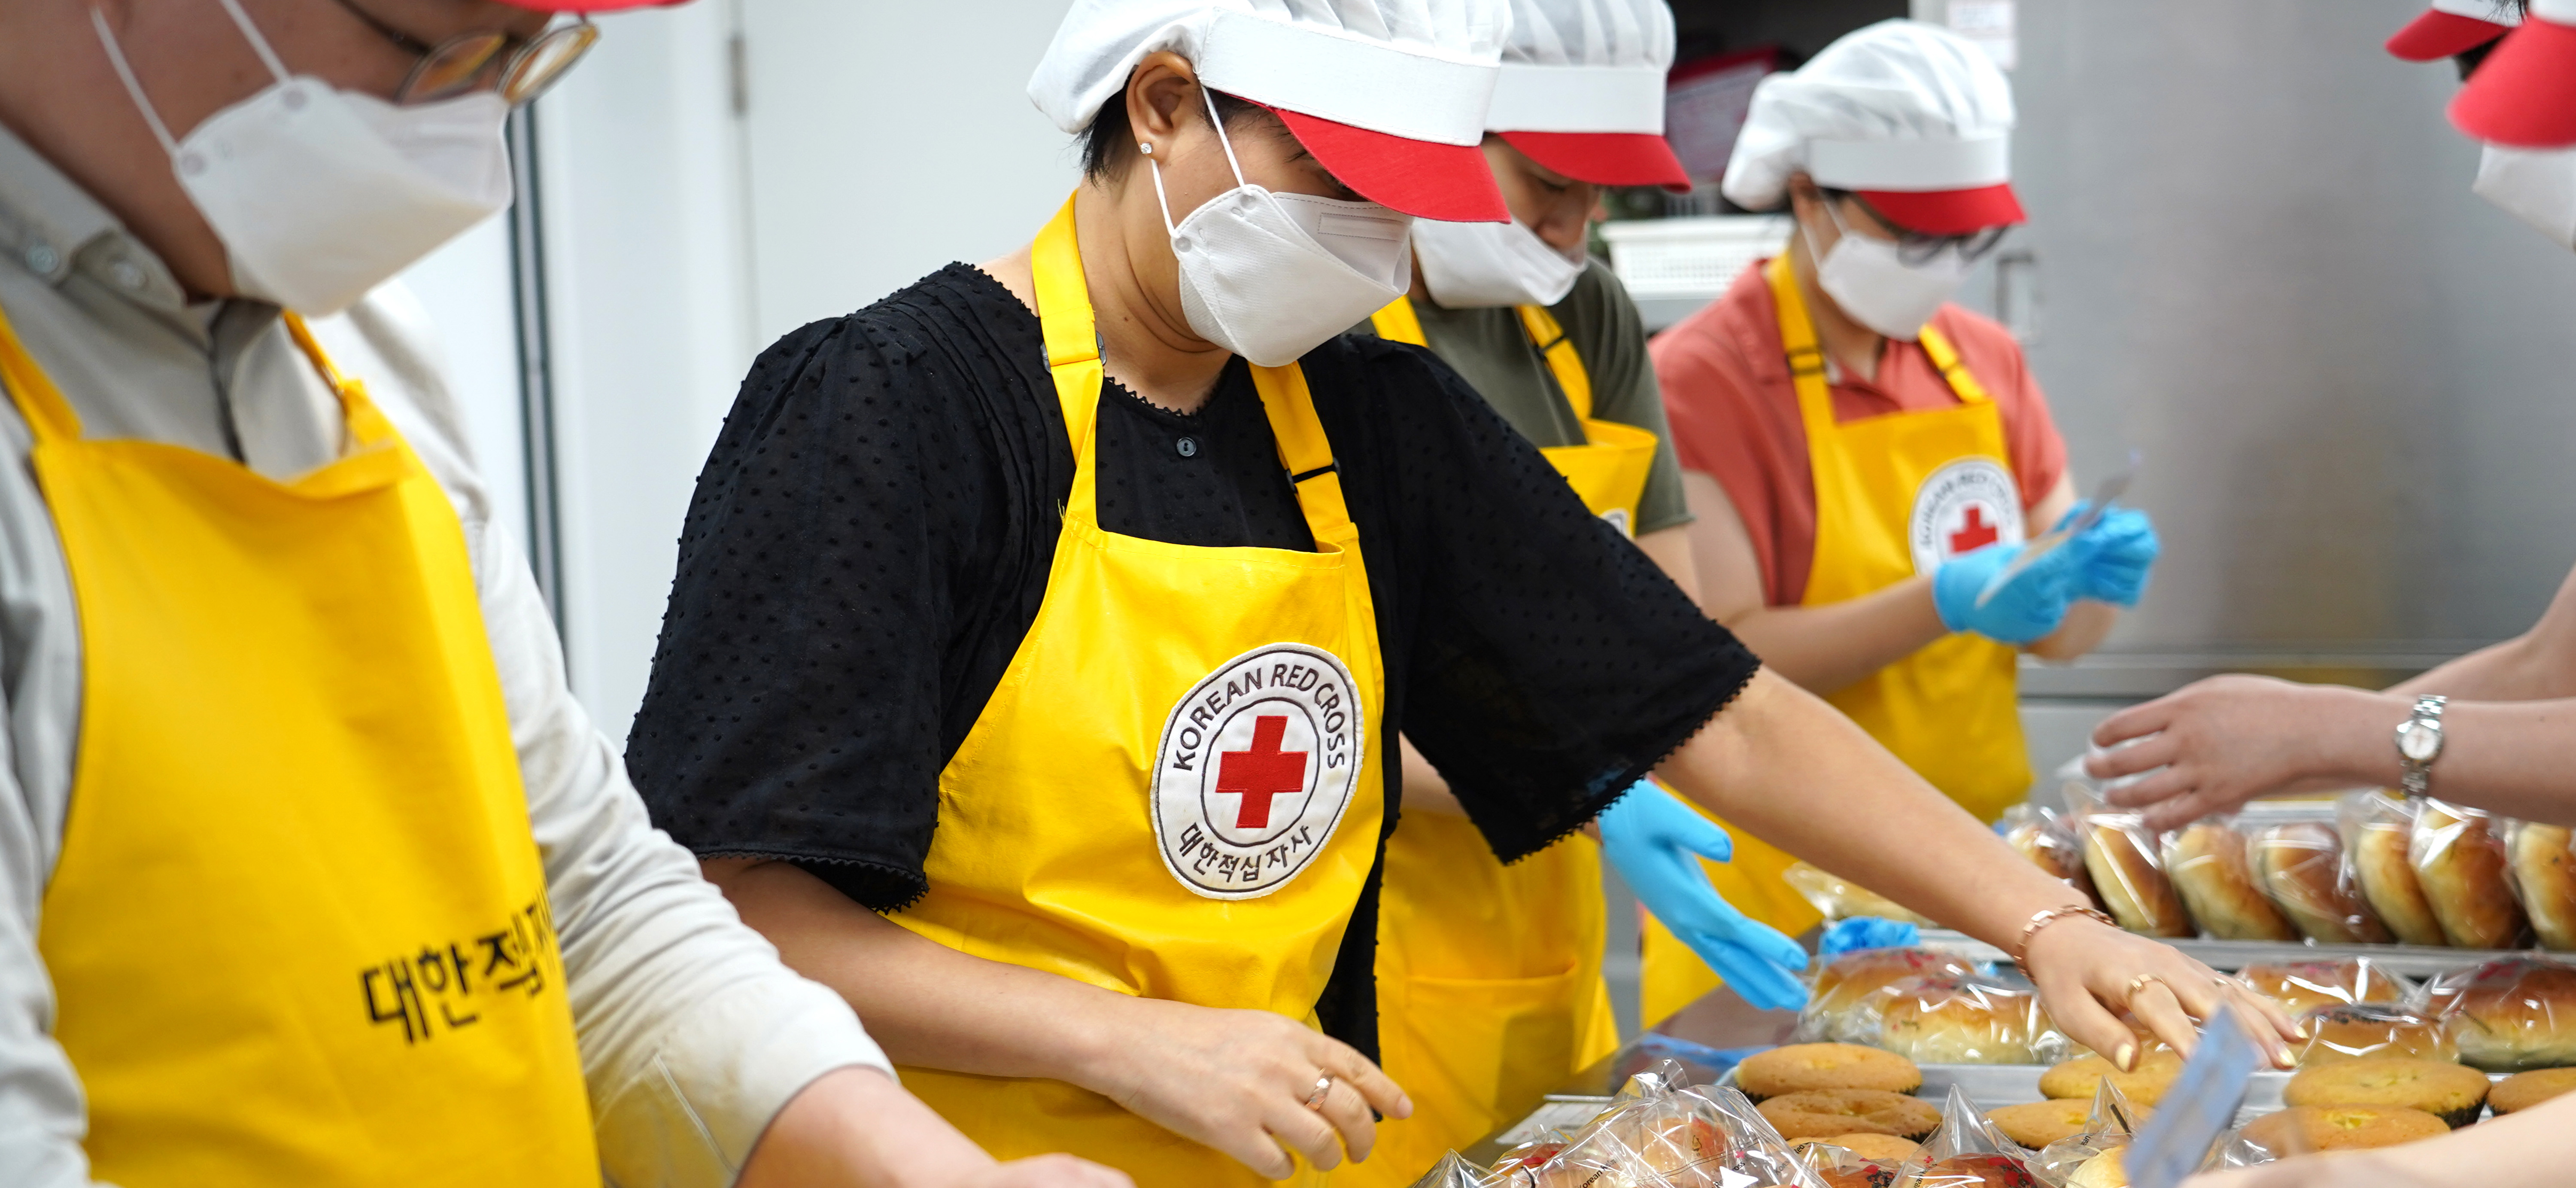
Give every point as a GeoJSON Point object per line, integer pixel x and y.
{"type": "Point", "coordinates": [1895, 496]}
{"type": "Point", "coordinates": [1174, 791]}
{"type": "Point", "coordinates": [1489, 976]}
{"type": "Point", "coordinates": [299, 930]}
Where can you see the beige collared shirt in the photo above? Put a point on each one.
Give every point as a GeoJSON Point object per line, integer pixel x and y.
{"type": "Point", "coordinates": [692, 1033]}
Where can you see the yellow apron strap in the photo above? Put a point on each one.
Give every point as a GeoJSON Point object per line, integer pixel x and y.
{"type": "Point", "coordinates": [1064, 314]}
{"type": "Point", "coordinates": [1562, 359]}
{"type": "Point", "coordinates": [1806, 359]}
{"type": "Point", "coordinates": [1305, 452]}
{"type": "Point", "coordinates": [1397, 322]}
{"type": "Point", "coordinates": [49, 416]}
{"type": "Point", "coordinates": [1946, 358]}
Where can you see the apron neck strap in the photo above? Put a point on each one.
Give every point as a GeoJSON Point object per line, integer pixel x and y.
{"type": "Point", "coordinates": [1807, 360]}
{"type": "Point", "coordinates": [1936, 345]}
{"type": "Point", "coordinates": [49, 417]}
{"type": "Point", "coordinates": [1073, 359]}
{"type": "Point", "coordinates": [1562, 359]}
{"type": "Point", "coordinates": [1397, 321]}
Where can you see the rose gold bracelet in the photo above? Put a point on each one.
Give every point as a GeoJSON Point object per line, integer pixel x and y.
{"type": "Point", "coordinates": [2044, 918]}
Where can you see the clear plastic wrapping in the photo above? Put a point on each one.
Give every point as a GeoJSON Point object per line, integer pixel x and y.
{"type": "Point", "coordinates": [1659, 1133]}
{"type": "Point", "coordinates": [1453, 1171]}
{"type": "Point", "coordinates": [2345, 1032]}
{"type": "Point", "coordinates": [1977, 1019]}
{"type": "Point", "coordinates": [1841, 899]}
{"type": "Point", "coordinates": [1843, 985]}
{"type": "Point", "coordinates": [2377, 830]}
{"type": "Point", "coordinates": [2459, 860]}
{"type": "Point", "coordinates": [2544, 880]}
{"type": "Point", "coordinates": [2509, 1015]}
{"type": "Point", "coordinates": [2127, 869]}
{"type": "Point", "coordinates": [2209, 864]}
{"type": "Point", "coordinates": [2301, 865]}
{"type": "Point", "coordinates": [2114, 1122]}
{"type": "Point", "coordinates": [2301, 986]}
{"type": "Point", "coordinates": [1967, 1152]}
{"type": "Point", "coordinates": [2049, 841]}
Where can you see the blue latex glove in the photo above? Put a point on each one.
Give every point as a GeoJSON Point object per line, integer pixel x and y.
{"type": "Point", "coordinates": [1868, 932]}
{"type": "Point", "coordinates": [2114, 555]}
{"type": "Point", "coordinates": [2028, 606]}
{"type": "Point", "coordinates": [1655, 842]}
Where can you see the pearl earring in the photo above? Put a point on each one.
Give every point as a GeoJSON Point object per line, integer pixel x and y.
{"type": "Point", "coordinates": [1146, 147]}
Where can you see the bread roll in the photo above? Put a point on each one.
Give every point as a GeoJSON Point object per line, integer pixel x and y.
{"type": "Point", "coordinates": [2460, 861]}
{"type": "Point", "coordinates": [2387, 877]}
{"type": "Point", "coordinates": [2510, 1015]}
{"type": "Point", "coordinates": [2208, 867]}
{"type": "Point", "coordinates": [1975, 1022]}
{"type": "Point", "coordinates": [2122, 860]}
{"type": "Point", "coordinates": [2301, 986]}
{"type": "Point", "coordinates": [2301, 866]}
{"type": "Point", "coordinates": [2545, 873]}
{"type": "Point", "coordinates": [2374, 1029]}
{"type": "Point", "coordinates": [2050, 844]}
{"type": "Point", "coordinates": [2106, 1170]}
{"type": "Point", "coordinates": [1845, 984]}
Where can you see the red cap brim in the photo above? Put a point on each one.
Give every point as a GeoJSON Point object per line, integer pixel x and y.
{"type": "Point", "coordinates": [587, 6]}
{"type": "Point", "coordinates": [2437, 35]}
{"type": "Point", "coordinates": [1448, 182]}
{"type": "Point", "coordinates": [1948, 212]}
{"type": "Point", "coordinates": [2524, 94]}
{"type": "Point", "coordinates": [1605, 158]}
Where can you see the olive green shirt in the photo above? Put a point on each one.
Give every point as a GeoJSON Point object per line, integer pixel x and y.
{"type": "Point", "coordinates": [1489, 348]}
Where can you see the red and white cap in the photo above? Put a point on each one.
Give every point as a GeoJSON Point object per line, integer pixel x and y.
{"type": "Point", "coordinates": [2524, 94]}
{"type": "Point", "coordinates": [1914, 118]}
{"type": "Point", "coordinates": [590, 6]}
{"type": "Point", "coordinates": [2453, 26]}
{"type": "Point", "coordinates": [1389, 95]}
{"type": "Point", "coordinates": [1582, 90]}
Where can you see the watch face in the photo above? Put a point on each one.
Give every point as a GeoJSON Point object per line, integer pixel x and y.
{"type": "Point", "coordinates": [2419, 741]}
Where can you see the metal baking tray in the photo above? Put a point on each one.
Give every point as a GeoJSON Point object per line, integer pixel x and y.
{"type": "Point", "coordinates": [2414, 961]}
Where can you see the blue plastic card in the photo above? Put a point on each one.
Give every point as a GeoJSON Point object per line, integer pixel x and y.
{"type": "Point", "coordinates": [2198, 1108]}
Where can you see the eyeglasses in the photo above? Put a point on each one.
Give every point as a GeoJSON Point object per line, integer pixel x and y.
{"type": "Point", "coordinates": [460, 64]}
{"type": "Point", "coordinates": [1916, 249]}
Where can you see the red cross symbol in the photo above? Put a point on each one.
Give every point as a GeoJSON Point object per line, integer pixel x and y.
{"type": "Point", "coordinates": [1975, 533]}
{"type": "Point", "coordinates": [1261, 773]}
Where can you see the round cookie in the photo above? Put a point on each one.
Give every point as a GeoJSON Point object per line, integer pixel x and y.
{"type": "Point", "coordinates": [2342, 1128]}
{"type": "Point", "coordinates": [2447, 1091]}
{"type": "Point", "coordinates": [2035, 1124]}
{"type": "Point", "coordinates": [2075, 1079]}
{"type": "Point", "coordinates": [1802, 1068]}
{"type": "Point", "coordinates": [2523, 1090]}
{"type": "Point", "coordinates": [1825, 1113]}
{"type": "Point", "coordinates": [1886, 1148]}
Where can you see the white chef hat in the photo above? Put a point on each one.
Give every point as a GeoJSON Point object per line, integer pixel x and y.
{"type": "Point", "coordinates": [1915, 118]}
{"type": "Point", "coordinates": [1582, 90]}
{"type": "Point", "coordinates": [1389, 95]}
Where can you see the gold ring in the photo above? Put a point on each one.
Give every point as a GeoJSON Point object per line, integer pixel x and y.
{"type": "Point", "coordinates": [1323, 1085]}
{"type": "Point", "coordinates": [2140, 982]}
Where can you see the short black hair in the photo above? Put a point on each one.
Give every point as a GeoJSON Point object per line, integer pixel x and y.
{"type": "Point", "coordinates": [1109, 144]}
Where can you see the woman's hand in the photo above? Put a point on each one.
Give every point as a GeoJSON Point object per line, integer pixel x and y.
{"type": "Point", "coordinates": [1239, 1082]}
{"type": "Point", "coordinates": [2339, 1169]}
{"type": "Point", "coordinates": [2228, 739]}
{"type": "Point", "coordinates": [2086, 970]}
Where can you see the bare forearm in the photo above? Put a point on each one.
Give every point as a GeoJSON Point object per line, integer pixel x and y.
{"type": "Point", "coordinates": [925, 1003]}
{"type": "Point", "coordinates": [2086, 624]}
{"type": "Point", "coordinates": [1823, 649]}
{"type": "Point", "coordinates": [857, 1127]}
{"type": "Point", "coordinates": [2514, 670]}
{"type": "Point", "coordinates": [1424, 789]}
{"type": "Point", "coordinates": [1786, 766]}
{"type": "Point", "coordinates": [2510, 757]}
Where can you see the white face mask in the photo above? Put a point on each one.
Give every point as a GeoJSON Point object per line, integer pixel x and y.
{"type": "Point", "coordinates": [1879, 289]}
{"type": "Point", "coordinates": [1476, 265]}
{"type": "Point", "coordinates": [320, 194]}
{"type": "Point", "coordinates": [2537, 186]}
{"type": "Point", "coordinates": [1273, 276]}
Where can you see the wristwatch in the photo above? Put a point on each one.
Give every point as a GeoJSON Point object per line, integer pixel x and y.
{"type": "Point", "coordinates": [2419, 743]}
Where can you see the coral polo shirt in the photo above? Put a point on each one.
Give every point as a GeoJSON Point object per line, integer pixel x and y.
{"type": "Point", "coordinates": [1735, 418]}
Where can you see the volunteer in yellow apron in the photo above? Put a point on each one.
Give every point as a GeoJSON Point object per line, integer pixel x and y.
{"type": "Point", "coordinates": [298, 930]}
{"type": "Point", "coordinates": [1899, 187]}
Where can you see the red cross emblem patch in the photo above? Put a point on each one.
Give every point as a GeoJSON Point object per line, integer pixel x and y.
{"type": "Point", "coordinates": [1964, 506]}
{"type": "Point", "coordinates": [1257, 764]}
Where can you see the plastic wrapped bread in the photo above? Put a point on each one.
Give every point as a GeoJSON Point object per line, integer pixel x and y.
{"type": "Point", "coordinates": [2377, 831]}
{"type": "Point", "coordinates": [2459, 859]}
{"type": "Point", "coordinates": [2301, 865]}
{"type": "Point", "coordinates": [2128, 872]}
{"type": "Point", "coordinates": [2208, 865]}
{"type": "Point", "coordinates": [2544, 879]}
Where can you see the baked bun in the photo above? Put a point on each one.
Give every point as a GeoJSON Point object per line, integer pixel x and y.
{"type": "Point", "coordinates": [1846, 983]}
{"type": "Point", "coordinates": [1968, 1171]}
{"type": "Point", "coordinates": [2374, 1029]}
{"type": "Point", "coordinates": [2301, 868]}
{"type": "Point", "coordinates": [2387, 877]}
{"type": "Point", "coordinates": [1829, 1112]}
{"type": "Point", "coordinates": [1801, 1068]}
{"type": "Point", "coordinates": [2207, 865]}
{"type": "Point", "coordinates": [2106, 1170]}
{"type": "Point", "coordinates": [2459, 859]}
{"type": "Point", "coordinates": [2523, 1090]}
{"type": "Point", "coordinates": [2301, 986]}
{"type": "Point", "coordinates": [2049, 842]}
{"type": "Point", "coordinates": [2510, 1015]}
{"type": "Point", "coordinates": [1972, 1022]}
{"type": "Point", "coordinates": [2447, 1091]}
{"type": "Point", "coordinates": [2079, 1079]}
{"type": "Point", "coordinates": [2122, 860]}
{"type": "Point", "coordinates": [2035, 1124]}
{"type": "Point", "coordinates": [2301, 1129]}
{"type": "Point", "coordinates": [2544, 872]}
